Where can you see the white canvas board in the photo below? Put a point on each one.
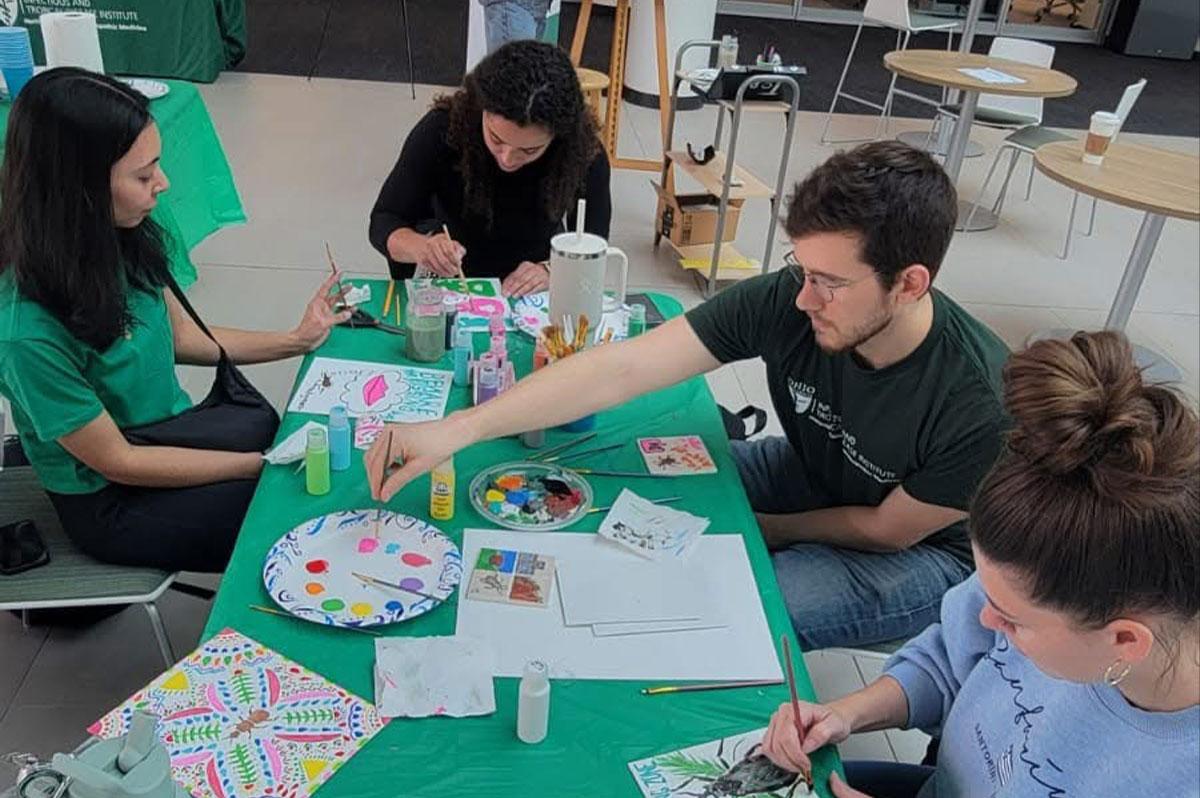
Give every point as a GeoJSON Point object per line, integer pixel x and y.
{"type": "Point", "coordinates": [631, 589]}
{"type": "Point", "coordinates": [742, 650]}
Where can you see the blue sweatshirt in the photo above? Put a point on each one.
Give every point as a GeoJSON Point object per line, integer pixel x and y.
{"type": "Point", "coordinates": [1010, 731]}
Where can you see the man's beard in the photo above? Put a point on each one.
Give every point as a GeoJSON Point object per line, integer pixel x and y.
{"type": "Point", "coordinates": [860, 334]}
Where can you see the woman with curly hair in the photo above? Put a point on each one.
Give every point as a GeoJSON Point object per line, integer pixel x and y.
{"type": "Point", "coordinates": [500, 163]}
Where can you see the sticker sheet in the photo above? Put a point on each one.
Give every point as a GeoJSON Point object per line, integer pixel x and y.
{"type": "Point", "coordinates": [512, 577]}
{"type": "Point", "coordinates": [653, 531]}
{"type": "Point", "coordinates": [240, 720]}
{"type": "Point", "coordinates": [730, 766]}
{"type": "Point", "coordinates": [681, 455]}
{"type": "Point", "coordinates": [392, 392]}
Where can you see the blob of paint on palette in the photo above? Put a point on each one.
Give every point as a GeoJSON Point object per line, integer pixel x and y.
{"type": "Point", "coordinates": [530, 496]}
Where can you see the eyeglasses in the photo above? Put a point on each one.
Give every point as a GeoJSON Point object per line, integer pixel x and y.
{"type": "Point", "coordinates": [826, 289]}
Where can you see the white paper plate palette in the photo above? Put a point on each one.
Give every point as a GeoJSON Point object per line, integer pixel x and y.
{"type": "Point", "coordinates": [310, 571]}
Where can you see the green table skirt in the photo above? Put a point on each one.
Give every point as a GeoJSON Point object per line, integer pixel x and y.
{"type": "Point", "coordinates": [202, 197]}
{"type": "Point", "coordinates": [596, 727]}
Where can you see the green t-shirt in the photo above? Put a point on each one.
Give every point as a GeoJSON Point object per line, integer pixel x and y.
{"type": "Point", "coordinates": [932, 423]}
{"type": "Point", "coordinates": [57, 384]}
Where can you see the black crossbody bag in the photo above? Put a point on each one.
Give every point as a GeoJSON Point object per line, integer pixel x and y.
{"type": "Point", "coordinates": [234, 416]}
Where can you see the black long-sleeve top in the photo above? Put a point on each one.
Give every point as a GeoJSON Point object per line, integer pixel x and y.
{"type": "Point", "coordinates": [425, 189]}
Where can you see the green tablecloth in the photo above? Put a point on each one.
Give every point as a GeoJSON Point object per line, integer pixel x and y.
{"type": "Point", "coordinates": [190, 39]}
{"type": "Point", "coordinates": [202, 198]}
{"type": "Point", "coordinates": [596, 727]}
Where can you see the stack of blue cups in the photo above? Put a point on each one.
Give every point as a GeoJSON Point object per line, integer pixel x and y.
{"type": "Point", "coordinates": [16, 59]}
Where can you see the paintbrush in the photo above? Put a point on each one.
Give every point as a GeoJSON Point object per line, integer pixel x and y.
{"type": "Point", "coordinates": [383, 478]}
{"type": "Point", "coordinates": [584, 453]}
{"type": "Point", "coordinates": [333, 268]}
{"type": "Point", "coordinates": [371, 580]}
{"type": "Point", "coordinates": [593, 472]}
{"type": "Point", "coordinates": [281, 614]}
{"type": "Point", "coordinates": [462, 276]}
{"type": "Point", "coordinates": [667, 500]}
{"type": "Point", "coordinates": [699, 688]}
{"type": "Point", "coordinates": [791, 681]}
{"type": "Point", "coordinates": [553, 450]}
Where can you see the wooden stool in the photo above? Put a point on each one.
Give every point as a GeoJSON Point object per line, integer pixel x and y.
{"type": "Point", "coordinates": [593, 84]}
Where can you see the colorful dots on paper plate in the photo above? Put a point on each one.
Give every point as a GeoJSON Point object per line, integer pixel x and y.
{"type": "Point", "coordinates": [530, 496]}
{"type": "Point", "coordinates": [316, 566]}
{"type": "Point", "coordinates": [367, 545]}
{"type": "Point", "coordinates": [393, 606]}
{"type": "Point", "coordinates": [361, 609]}
{"type": "Point", "coordinates": [412, 583]}
{"type": "Point", "coordinates": [414, 559]}
{"type": "Point", "coordinates": [333, 605]}
{"type": "Point", "coordinates": [391, 548]}
{"type": "Point", "coordinates": [314, 588]}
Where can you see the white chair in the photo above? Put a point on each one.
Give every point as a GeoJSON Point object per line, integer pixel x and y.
{"type": "Point", "coordinates": [1025, 141]}
{"type": "Point", "coordinates": [896, 15]}
{"type": "Point", "coordinates": [997, 111]}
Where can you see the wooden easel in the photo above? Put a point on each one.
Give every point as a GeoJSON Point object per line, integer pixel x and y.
{"type": "Point", "coordinates": [612, 111]}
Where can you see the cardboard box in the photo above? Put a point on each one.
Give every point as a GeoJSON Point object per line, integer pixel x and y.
{"type": "Point", "coordinates": [688, 219]}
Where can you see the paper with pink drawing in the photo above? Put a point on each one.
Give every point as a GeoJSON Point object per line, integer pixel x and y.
{"type": "Point", "coordinates": [476, 300]}
{"type": "Point", "coordinates": [392, 392]}
{"type": "Point", "coordinates": [679, 455]}
{"type": "Point", "coordinates": [239, 719]}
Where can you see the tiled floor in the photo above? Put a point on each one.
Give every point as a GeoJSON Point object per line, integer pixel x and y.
{"type": "Point", "coordinates": [309, 157]}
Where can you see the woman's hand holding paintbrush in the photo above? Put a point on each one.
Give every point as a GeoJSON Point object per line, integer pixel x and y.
{"type": "Point", "coordinates": [442, 255]}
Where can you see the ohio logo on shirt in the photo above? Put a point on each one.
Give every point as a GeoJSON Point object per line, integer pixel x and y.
{"type": "Point", "coordinates": [9, 9]}
{"type": "Point", "coordinates": [802, 395]}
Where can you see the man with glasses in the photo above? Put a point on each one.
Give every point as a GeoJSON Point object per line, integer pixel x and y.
{"type": "Point", "coordinates": [888, 393]}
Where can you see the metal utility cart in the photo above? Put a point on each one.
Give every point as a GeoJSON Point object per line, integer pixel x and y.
{"type": "Point", "coordinates": [721, 176]}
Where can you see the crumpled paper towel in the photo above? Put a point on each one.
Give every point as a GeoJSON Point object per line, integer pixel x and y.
{"type": "Point", "coordinates": [291, 449]}
{"type": "Point", "coordinates": [416, 677]}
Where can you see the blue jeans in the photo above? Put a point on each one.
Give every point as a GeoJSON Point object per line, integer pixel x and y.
{"type": "Point", "coordinates": [887, 779]}
{"type": "Point", "coordinates": [837, 596]}
{"type": "Point", "coordinates": [506, 22]}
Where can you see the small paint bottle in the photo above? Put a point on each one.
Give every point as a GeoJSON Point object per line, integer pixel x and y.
{"type": "Point", "coordinates": [637, 320]}
{"type": "Point", "coordinates": [536, 438]}
{"type": "Point", "coordinates": [533, 703]}
{"type": "Point", "coordinates": [339, 438]}
{"type": "Point", "coordinates": [441, 491]}
{"type": "Point", "coordinates": [462, 358]}
{"type": "Point", "coordinates": [316, 462]}
{"type": "Point", "coordinates": [489, 382]}
{"type": "Point", "coordinates": [450, 310]}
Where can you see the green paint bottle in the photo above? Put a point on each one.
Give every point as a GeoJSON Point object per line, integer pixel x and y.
{"type": "Point", "coordinates": [316, 462]}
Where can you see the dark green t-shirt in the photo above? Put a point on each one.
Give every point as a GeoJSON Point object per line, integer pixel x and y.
{"type": "Point", "coordinates": [932, 423]}
{"type": "Point", "coordinates": [57, 384]}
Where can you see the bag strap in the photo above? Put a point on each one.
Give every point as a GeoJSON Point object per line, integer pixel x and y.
{"type": "Point", "coordinates": [183, 300]}
{"type": "Point", "coordinates": [758, 414]}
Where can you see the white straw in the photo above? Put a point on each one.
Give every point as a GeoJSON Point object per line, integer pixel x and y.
{"type": "Point", "coordinates": [580, 213]}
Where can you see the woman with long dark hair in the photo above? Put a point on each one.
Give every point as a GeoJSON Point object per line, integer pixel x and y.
{"type": "Point", "coordinates": [500, 163]}
{"type": "Point", "coordinates": [1070, 663]}
{"type": "Point", "coordinates": [89, 338]}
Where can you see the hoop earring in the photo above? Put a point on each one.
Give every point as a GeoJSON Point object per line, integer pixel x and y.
{"type": "Point", "coordinates": [1115, 673]}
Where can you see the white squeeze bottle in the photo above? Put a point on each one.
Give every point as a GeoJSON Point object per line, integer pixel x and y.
{"type": "Point", "coordinates": [533, 703]}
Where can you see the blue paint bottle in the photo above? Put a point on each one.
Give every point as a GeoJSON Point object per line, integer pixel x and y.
{"type": "Point", "coordinates": [339, 438]}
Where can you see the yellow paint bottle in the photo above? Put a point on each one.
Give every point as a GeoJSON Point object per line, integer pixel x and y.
{"type": "Point", "coordinates": [441, 491]}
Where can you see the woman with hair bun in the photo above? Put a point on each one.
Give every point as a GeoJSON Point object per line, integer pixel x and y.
{"type": "Point", "coordinates": [1069, 665]}
{"type": "Point", "coordinates": [500, 165]}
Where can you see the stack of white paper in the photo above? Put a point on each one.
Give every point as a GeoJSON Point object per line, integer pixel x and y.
{"type": "Point", "coordinates": [716, 582]}
{"type": "Point", "coordinates": [643, 598]}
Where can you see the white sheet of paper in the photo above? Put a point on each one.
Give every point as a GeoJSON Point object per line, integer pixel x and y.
{"type": "Point", "coordinates": [632, 589]}
{"type": "Point", "coordinates": [416, 677]}
{"type": "Point", "coordinates": [650, 530]}
{"type": "Point", "coordinates": [743, 650]}
{"type": "Point", "coordinates": [989, 75]}
{"type": "Point", "coordinates": [395, 392]}
{"type": "Point", "coordinates": [655, 627]}
{"type": "Point", "coordinates": [291, 449]}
